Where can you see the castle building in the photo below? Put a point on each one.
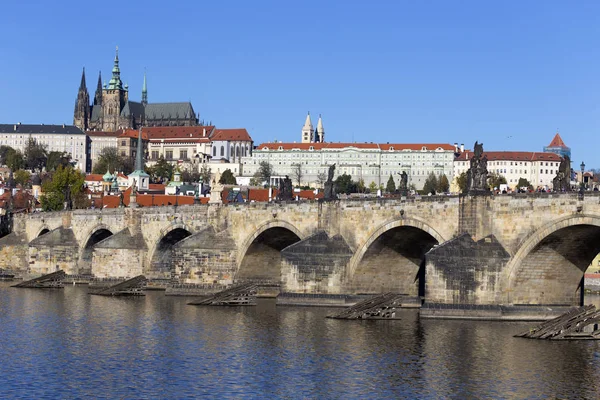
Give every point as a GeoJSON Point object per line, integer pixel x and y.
{"type": "Point", "coordinates": [559, 147]}
{"type": "Point", "coordinates": [112, 109]}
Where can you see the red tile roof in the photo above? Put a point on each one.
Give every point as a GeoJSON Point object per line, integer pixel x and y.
{"type": "Point", "coordinates": [93, 178]}
{"type": "Point", "coordinates": [374, 146]}
{"type": "Point", "coordinates": [240, 134]}
{"type": "Point", "coordinates": [512, 156]}
{"type": "Point", "coordinates": [134, 134]}
{"type": "Point", "coordinates": [178, 132]}
{"type": "Point", "coordinates": [557, 141]}
{"type": "Point", "coordinates": [149, 200]}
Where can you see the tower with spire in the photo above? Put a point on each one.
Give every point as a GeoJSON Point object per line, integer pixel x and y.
{"type": "Point", "coordinates": [114, 98]}
{"type": "Point", "coordinates": [320, 131]}
{"type": "Point", "coordinates": [98, 94]}
{"type": "Point", "coordinates": [144, 92]}
{"type": "Point", "coordinates": [307, 130]}
{"type": "Point", "coordinates": [81, 116]}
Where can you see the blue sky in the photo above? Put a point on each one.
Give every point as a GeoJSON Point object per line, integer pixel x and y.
{"type": "Point", "coordinates": [508, 74]}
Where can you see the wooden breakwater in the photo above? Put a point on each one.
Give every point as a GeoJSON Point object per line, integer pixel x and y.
{"type": "Point", "coordinates": [576, 324]}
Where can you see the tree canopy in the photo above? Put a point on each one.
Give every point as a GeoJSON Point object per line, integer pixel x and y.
{"type": "Point", "coordinates": [227, 178]}
{"type": "Point", "coordinates": [431, 184]}
{"type": "Point", "coordinates": [64, 179]}
{"type": "Point", "coordinates": [345, 184]}
{"type": "Point", "coordinates": [264, 172]}
{"type": "Point", "coordinates": [35, 154]}
{"type": "Point", "coordinates": [391, 185]}
{"type": "Point", "coordinates": [161, 171]}
{"type": "Point", "coordinates": [56, 158]}
{"type": "Point", "coordinates": [443, 184]}
{"type": "Point", "coordinates": [110, 160]}
{"type": "Point", "coordinates": [495, 180]}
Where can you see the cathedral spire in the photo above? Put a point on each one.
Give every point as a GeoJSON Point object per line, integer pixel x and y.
{"type": "Point", "coordinates": [98, 95]}
{"type": "Point", "coordinates": [320, 136]}
{"type": "Point", "coordinates": [82, 84]}
{"type": "Point", "coordinates": [307, 130]}
{"type": "Point", "coordinates": [115, 81]}
{"type": "Point", "coordinates": [144, 91]}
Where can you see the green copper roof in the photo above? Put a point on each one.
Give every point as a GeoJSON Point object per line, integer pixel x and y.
{"type": "Point", "coordinates": [107, 177]}
{"type": "Point", "coordinates": [115, 81]}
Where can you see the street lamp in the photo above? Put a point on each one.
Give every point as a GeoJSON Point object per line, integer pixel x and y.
{"type": "Point", "coordinates": [582, 166]}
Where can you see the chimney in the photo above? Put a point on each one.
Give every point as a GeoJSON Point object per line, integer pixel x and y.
{"type": "Point", "coordinates": [456, 147]}
{"type": "Point", "coordinates": [15, 127]}
{"type": "Point", "coordinates": [203, 132]}
{"type": "Point", "coordinates": [462, 147]}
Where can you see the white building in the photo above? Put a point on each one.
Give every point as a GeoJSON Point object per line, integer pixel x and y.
{"type": "Point", "coordinates": [229, 148]}
{"type": "Point", "coordinates": [537, 167]}
{"type": "Point", "coordinates": [98, 141]}
{"type": "Point", "coordinates": [371, 162]}
{"type": "Point", "coordinates": [63, 138]}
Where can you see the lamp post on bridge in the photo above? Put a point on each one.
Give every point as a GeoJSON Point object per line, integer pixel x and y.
{"type": "Point", "coordinates": [582, 187]}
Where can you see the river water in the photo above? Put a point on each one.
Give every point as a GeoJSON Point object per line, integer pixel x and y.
{"type": "Point", "coordinates": [66, 344]}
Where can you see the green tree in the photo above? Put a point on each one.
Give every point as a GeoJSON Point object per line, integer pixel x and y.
{"type": "Point", "coordinates": [373, 187]}
{"type": "Point", "coordinates": [110, 160]}
{"type": "Point", "coordinates": [14, 159]}
{"type": "Point", "coordinates": [391, 185]}
{"type": "Point", "coordinates": [524, 183]}
{"type": "Point", "coordinates": [55, 189]}
{"type": "Point", "coordinates": [22, 177]}
{"type": "Point", "coordinates": [431, 184]}
{"type": "Point", "coordinates": [161, 171]}
{"type": "Point", "coordinates": [56, 158]}
{"type": "Point", "coordinates": [35, 155]}
{"type": "Point", "coordinates": [4, 151]}
{"type": "Point", "coordinates": [461, 182]}
{"type": "Point", "coordinates": [495, 180]}
{"type": "Point", "coordinates": [187, 176]}
{"type": "Point", "coordinates": [265, 171]}
{"type": "Point", "coordinates": [227, 178]}
{"type": "Point", "coordinates": [361, 185]}
{"type": "Point", "coordinates": [443, 184]}
{"type": "Point", "coordinates": [345, 184]}
{"type": "Point", "coordinates": [205, 174]}
{"type": "Point", "coordinates": [256, 180]}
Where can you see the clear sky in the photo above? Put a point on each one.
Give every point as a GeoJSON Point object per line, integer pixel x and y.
{"type": "Point", "coordinates": [506, 73]}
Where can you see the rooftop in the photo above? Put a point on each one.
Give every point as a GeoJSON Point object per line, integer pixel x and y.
{"type": "Point", "coordinates": [40, 128]}
{"type": "Point", "coordinates": [512, 156]}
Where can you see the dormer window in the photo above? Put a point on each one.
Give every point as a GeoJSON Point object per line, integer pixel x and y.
{"type": "Point", "coordinates": [391, 148]}
{"type": "Point", "coordinates": [280, 148]}
{"type": "Point", "coordinates": [311, 148]}
{"type": "Point", "coordinates": [423, 148]}
{"type": "Point", "coordinates": [265, 148]}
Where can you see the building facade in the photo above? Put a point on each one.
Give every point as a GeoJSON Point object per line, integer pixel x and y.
{"type": "Point", "coordinates": [97, 142]}
{"type": "Point", "coordinates": [63, 138]}
{"type": "Point", "coordinates": [370, 162]}
{"type": "Point", "coordinates": [536, 167]}
{"type": "Point", "coordinates": [112, 109]}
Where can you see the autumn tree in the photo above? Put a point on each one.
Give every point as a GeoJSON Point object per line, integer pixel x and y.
{"type": "Point", "coordinates": [64, 180]}
{"type": "Point", "coordinates": [22, 177]}
{"type": "Point", "coordinates": [227, 178]}
{"type": "Point", "coordinates": [443, 184]}
{"type": "Point", "coordinates": [431, 184]}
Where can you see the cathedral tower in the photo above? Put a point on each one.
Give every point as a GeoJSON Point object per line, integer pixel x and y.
{"type": "Point", "coordinates": [320, 131]}
{"type": "Point", "coordinates": [307, 130]}
{"type": "Point", "coordinates": [81, 116]}
{"type": "Point", "coordinates": [98, 94]}
{"type": "Point", "coordinates": [114, 97]}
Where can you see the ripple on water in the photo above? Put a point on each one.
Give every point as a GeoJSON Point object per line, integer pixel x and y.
{"type": "Point", "coordinates": [67, 344]}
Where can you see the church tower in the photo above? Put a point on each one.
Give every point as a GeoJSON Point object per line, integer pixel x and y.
{"type": "Point", "coordinates": [144, 92]}
{"type": "Point", "coordinates": [307, 130]}
{"type": "Point", "coordinates": [81, 116]}
{"type": "Point", "coordinates": [114, 97]}
{"type": "Point", "coordinates": [320, 136]}
{"type": "Point", "coordinates": [98, 94]}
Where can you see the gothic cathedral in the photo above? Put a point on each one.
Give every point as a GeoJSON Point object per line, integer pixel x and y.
{"type": "Point", "coordinates": [112, 110]}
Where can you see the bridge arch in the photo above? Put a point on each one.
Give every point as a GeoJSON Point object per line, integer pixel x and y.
{"type": "Point", "coordinates": [549, 265]}
{"type": "Point", "coordinates": [43, 230]}
{"type": "Point", "coordinates": [259, 257]}
{"type": "Point", "coordinates": [160, 260]}
{"type": "Point", "coordinates": [95, 235]}
{"type": "Point", "coordinates": [391, 257]}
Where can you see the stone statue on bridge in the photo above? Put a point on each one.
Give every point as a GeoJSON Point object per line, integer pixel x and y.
{"type": "Point", "coordinates": [329, 185]}
{"type": "Point", "coordinates": [562, 180]}
{"type": "Point", "coordinates": [477, 174]}
{"type": "Point", "coordinates": [285, 189]}
{"type": "Point", "coordinates": [403, 183]}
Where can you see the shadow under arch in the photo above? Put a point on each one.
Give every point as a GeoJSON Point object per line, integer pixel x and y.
{"type": "Point", "coordinates": [549, 265]}
{"type": "Point", "coordinates": [259, 257]}
{"type": "Point", "coordinates": [95, 235]}
{"type": "Point", "coordinates": [392, 257]}
{"type": "Point", "coordinates": [43, 231]}
{"type": "Point", "coordinates": [160, 265]}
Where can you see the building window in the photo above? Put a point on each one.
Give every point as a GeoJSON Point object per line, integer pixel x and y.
{"type": "Point", "coordinates": [169, 154]}
{"type": "Point", "coordinates": [183, 154]}
{"type": "Point", "coordinates": [123, 143]}
{"type": "Point", "coordinates": [222, 151]}
{"type": "Point", "coordinates": [154, 154]}
{"type": "Point", "coordinates": [214, 151]}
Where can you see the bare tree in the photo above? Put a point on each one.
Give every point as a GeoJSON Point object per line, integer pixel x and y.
{"type": "Point", "coordinates": [321, 178]}
{"type": "Point", "coordinates": [297, 172]}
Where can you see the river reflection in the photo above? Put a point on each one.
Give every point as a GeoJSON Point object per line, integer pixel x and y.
{"type": "Point", "coordinates": [67, 344]}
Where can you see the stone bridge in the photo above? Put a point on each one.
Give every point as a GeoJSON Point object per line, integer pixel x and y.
{"type": "Point", "coordinates": [508, 249]}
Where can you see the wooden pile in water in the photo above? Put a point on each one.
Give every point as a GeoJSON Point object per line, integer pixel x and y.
{"type": "Point", "coordinates": [378, 307]}
{"type": "Point", "coordinates": [131, 287]}
{"type": "Point", "coordinates": [5, 275]}
{"type": "Point", "coordinates": [578, 323]}
{"type": "Point", "coordinates": [49, 281]}
{"type": "Point", "coordinates": [240, 295]}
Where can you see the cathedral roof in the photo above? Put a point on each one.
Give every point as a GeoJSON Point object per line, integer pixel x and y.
{"type": "Point", "coordinates": [96, 112]}
{"type": "Point", "coordinates": [41, 129]}
{"type": "Point", "coordinates": [170, 111]}
{"type": "Point", "coordinates": [132, 107]}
